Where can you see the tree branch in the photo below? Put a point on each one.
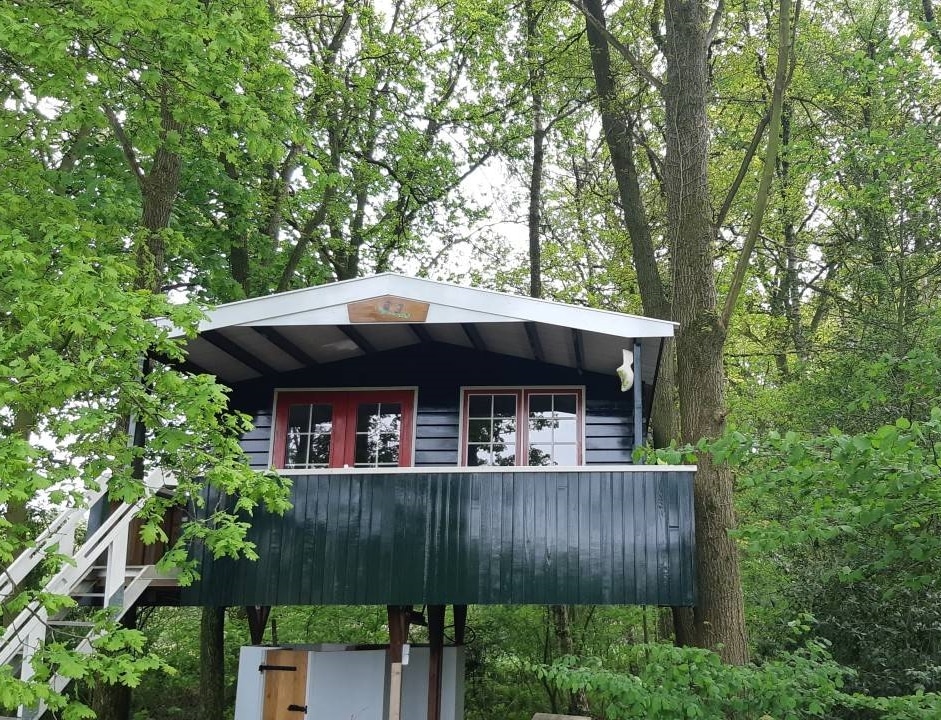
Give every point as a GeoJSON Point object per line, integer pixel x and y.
{"type": "Point", "coordinates": [126, 146]}
{"type": "Point", "coordinates": [714, 25]}
{"type": "Point", "coordinates": [742, 171]}
{"type": "Point", "coordinates": [771, 154]}
{"type": "Point", "coordinates": [625, 51]}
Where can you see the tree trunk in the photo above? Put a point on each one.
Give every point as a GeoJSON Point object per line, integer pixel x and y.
{"type": "Point", "coordinates": [719, 620]}
{"type": "Point", "coordinates": [539, 139]}
{"type": "Point", "coordinates": [212, 664]}
{"type": "Point", "coordinates": [562, 623]}
{"type": "Point", "coordinates": [159, 189]}
{"type": "Point", "coordinates": [653, 294]}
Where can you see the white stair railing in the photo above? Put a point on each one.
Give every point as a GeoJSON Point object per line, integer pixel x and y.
{"type": "Point", "coordinates": [23, 637]}
{"type": "Point", "coordinates": [59, 537]}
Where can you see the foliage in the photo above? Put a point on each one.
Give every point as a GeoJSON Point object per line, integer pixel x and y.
{"type": "Point", "coordinates": [663, 682]}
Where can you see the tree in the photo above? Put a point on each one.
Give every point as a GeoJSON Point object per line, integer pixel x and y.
{"type": "Point", "coordinates": [92, 152]}
{"type": "Point", "coordinates": [690, 234]}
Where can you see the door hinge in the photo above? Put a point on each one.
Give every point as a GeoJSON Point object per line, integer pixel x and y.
{"type": "Point", "coordinates": [287, 668]}
{"type": "Point", "coordinates": [298, 708]}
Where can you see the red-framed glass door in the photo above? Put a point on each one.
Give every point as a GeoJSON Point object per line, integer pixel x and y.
{"type": "Point", "coordinates": [344, 428]}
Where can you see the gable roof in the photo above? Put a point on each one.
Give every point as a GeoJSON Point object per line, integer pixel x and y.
{"type": "Point", "coordinates": [240, 340]}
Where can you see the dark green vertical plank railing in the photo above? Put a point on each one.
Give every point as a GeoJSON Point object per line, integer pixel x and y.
{"type": "Point", "coordinates": [496, 536]}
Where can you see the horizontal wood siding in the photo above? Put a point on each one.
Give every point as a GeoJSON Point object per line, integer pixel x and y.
{"type": "Point", "coordinates": [585, 537]}
{"type": "Point", "coordinates": [439, 372]}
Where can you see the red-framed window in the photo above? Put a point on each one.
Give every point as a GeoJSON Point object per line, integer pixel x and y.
{"type": "Point", "coordinates": [343, 428]}
{"type": "Point", "coordinates": [522, 426]}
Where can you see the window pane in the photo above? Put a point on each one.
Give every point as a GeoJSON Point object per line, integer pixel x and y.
{"type": "Point", "coordinates": [377, 434]}
{"type": "Point", "coordinates": [479, 405]}
{"type": "Point", "coordinates": [504, 406]}
{"type": "Point", "coordinates": [540, 429]}
{"type": "Point", "coordinates": [319, 451]}
{"type": "Point", "coordinates": [365, 450]}
{"type": "Point", "coordinates": [479, 430]}
{"type": "Point", "coordinates": [504, 430]}
{"type": "Point", "coordinates": [365, 415]}
{"type": "Point", "coordinates": [565, 405]}
{"type": "Point", "coordinates": [540, 455]}
{"type": "Point", "coordinates": [388, 449]}
{"type": "Point", "coordinates": [504, 455]}
{"type": "Point", "coordinates": [297, 446]}
{"type": "Point", "coordinates": [478, 455]}
{"type": "Point", "coordinates": [540, 404]}
{"type": "Point", "coordinates": [388, 418]}
{"type": "Point", "coordinates": [564, 455]}
{"type": "Point", "coordinates": [322, 418]}
{"type": "Point", "coordinates": [565, 431]}
{"type": "Point", "coordinates": [299, 418]}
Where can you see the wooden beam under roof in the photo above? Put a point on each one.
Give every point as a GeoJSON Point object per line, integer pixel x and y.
{"type": "Point", "coordinates": [421, 332]}
{"type": "Point", "coordinates": [230, 347]}
{"type": "Point", "coordinates": [532, 332]}
{"type": "Point", "coordinates": [282, 343]}
{"type": "Point", "coordinates": [473, 334]}
{"type": "Point", "coordinates": [579, 343]}
{"type": "Point", "coordinates": [357, 337]}
{"type": "Point", "coordinates": [186, 365]}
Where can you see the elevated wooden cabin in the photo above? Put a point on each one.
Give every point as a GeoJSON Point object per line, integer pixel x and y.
{"type": "Point", "coordinates": [448, 445]}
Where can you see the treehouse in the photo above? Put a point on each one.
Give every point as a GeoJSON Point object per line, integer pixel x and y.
{"type": "Point", "coordinates": [447, 446]}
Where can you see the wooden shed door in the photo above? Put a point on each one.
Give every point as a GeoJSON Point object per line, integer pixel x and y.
{"type": "Point", "coordinates": [285, 685]}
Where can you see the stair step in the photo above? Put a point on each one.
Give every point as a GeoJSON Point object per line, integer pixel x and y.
{"type": "Point", "coordinates": [71, 623]}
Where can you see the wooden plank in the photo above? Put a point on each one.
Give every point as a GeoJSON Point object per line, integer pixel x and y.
{"type": "Point", "coordinates": [232, 348]}
{"type": "Point", "coordinates": [284, 688]}
{"type": "Point", "coordinates": [395, 691]}
{"type": "Point", "coordinates": [388, 309]}
{"type": "Point", "coordinates": [398, 616]}
{"type": "Point", "coordinates": [358, 338]}
{"type": "Point", "coordinates": [460, 623]}
{"type": "Point", "coordinates": [435, 660]}
{"type": "Point", "coordinates": [638, 396]}
{"type": "Point", "coordinates": [535, 343]}
{"type": "Point", "coordinates": [285, 345]}
{"type": "Point", "coordinates": [257, 620]}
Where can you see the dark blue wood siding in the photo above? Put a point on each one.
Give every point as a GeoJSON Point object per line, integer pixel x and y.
{"type": "Point", "coordinates": [439, 372]}
{"type": "Point", "coordinates": [584, 537]}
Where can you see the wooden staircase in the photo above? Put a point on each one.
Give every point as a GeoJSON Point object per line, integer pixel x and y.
{"type": "Point", "coordinates": [97, 575]}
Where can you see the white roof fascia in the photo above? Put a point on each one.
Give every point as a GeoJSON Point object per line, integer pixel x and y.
{"type": "Point", "coordinates": [326, 304]}
{"type": "Point", "coordinates": [338, 315]}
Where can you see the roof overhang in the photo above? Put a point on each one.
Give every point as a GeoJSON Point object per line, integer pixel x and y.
{"type": "Point", "coordinates": [329, 323]}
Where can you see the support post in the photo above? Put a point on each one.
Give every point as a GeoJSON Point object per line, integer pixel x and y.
{"type": "Point", "coordinates": [460, 624]}
{"type": "Point", "coordinates": [398, 634]}
{"type": "Point", "coordinates": [257, 622]}
{"type": "Point", "coordinates": [435, 659]}
{"type": "Point", "coordinates": [638, 396]}
{"type": "Point", "coordinates": [116, 571]}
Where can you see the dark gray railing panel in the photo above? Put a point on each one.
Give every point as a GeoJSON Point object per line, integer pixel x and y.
{"type": "Point", "coordinates": [517, 536]}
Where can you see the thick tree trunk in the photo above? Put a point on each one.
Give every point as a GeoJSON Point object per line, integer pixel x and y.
{"type": "Point", "coordinates": [212, 664]}
{"type": "Point", "coordinates": [159, 188]}
{"type": "Point", "coordinates": [653, 294]}
{"type": "Point", "coordinates": [718, 620]}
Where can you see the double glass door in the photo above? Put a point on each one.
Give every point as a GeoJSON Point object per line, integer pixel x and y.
{"type": "Point", "coordinates": [336, 429]}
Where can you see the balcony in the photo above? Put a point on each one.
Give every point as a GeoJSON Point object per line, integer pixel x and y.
{"type": "Point", "coordinates": [402, 536]}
